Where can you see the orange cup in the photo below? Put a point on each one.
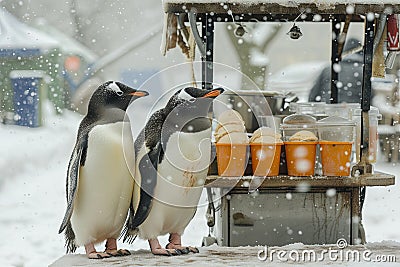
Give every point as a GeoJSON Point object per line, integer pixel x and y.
{"type": "Point", "coordinates": [335, 157]}
{"type": "Point", "coordinates": [300, 157]}
{"type": "Point", "coordinates": [265, 159]}
{"type": "Point", "coordinates": [231, 159]}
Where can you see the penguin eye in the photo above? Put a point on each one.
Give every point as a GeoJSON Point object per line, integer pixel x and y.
{"type": "Point", "coordinates": [119, 93]}
{"type": "Point", "coordinates": [191, 100]}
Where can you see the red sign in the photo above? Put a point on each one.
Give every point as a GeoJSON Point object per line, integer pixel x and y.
{"type": "Point", "coordinates": [393, 43]}
{"type": "Point", "coordinates": [72, 63]}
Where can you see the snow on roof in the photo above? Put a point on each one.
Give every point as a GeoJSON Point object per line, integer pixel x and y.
{"type": "Point", "coordinates": [15, 35]}
{"type": "Point", "coordinates": [287, 2]}
{"type": "Point", "coordinates": [67, 44]}
{"type": "Point", "coordinates": [321, 5]}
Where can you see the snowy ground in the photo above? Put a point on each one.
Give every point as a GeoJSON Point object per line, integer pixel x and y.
{"type": "Point", "coordinates": [32, 201]}
{"type": "Point", "coordinates": [253, 256]}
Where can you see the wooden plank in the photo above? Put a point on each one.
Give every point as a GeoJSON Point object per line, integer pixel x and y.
{"type": "Point", "coordinates": [377, 179]}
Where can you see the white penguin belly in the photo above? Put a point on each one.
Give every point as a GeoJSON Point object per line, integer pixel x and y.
{"type": "Point", "coordinates": [105, 185]}
{"type": "Point", "coordinates": [181, 176]}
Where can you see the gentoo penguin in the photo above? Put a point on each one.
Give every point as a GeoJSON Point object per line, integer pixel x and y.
{"type": "Point", "coordinates": [99, 182]}
{"type": "Point", "coordinates": [173, 153]}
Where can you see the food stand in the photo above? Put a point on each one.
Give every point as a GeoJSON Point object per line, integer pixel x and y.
{"type": "Point", "coordinates": [287, 209]}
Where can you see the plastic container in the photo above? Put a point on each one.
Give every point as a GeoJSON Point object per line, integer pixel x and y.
{"type": "Point", "coordinates": [343, 110]}
{"type": "Point", "coordinates": [265, 158]}
{"type": "Point", "coordinates": [300, 154]}
{"type": "Point", "coordinates": [374, 118]}
{"type": "Point", "coordinates": [336, 138]}
{"type": "Point", "coordinates": [298, 122]}
{"type": "Point", "coordinates": [336, 128]}
{"type": "Point", "coordinates": [335, 157]}
{"type": "Point", "coordinates": [316, 109]}
{"type": "Point", "coordinates": [26, 86]}
{"type": "Point", "coordinates": [251, 104]}
{"type": "Point", "coordinates": [300, 157]}
{"type": "Point", "coordinates": [231, 159]}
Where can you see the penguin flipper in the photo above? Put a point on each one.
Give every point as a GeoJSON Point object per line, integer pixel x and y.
{"type": "Point", "coordinates": [148, 171]}
{"type": "Point", "coordinates": [72, 184]}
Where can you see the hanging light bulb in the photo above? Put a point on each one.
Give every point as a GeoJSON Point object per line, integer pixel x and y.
{"type": "Point", "coordinates": [240, 31]}
{"type": "Point", "coordinates": [295, 32]}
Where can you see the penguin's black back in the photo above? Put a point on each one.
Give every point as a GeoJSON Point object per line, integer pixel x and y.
{"type": "Point", "coordinates": [163, 123]}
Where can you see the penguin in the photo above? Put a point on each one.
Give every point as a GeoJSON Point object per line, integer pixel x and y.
{"type": "Point", "coordinates": [99, 180]}
{"type": "Point", "coordinates": [173, 153]}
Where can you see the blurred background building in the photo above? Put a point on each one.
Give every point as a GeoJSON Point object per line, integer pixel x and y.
{"type": "Point", "coordinates": [120, 40]}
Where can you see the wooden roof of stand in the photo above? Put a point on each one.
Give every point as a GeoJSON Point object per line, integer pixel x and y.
{"type": "Point", "coordinates": [283, 6]}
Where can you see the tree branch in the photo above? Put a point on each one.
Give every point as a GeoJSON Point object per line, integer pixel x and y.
{"type": "Point", "coordinates": [267, 43]}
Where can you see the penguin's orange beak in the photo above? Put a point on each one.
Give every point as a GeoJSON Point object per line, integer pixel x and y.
{"type": "Point", "coordinates": [139, 93]}
{"type": "Point", "coordinates": [212, 94]}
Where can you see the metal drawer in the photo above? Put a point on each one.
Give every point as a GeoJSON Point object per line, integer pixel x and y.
{"type": "Point", "coordinates": [277, 217]}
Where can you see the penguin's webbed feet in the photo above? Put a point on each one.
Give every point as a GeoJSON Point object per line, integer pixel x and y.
{"type": "Point", "coordinates": [98, 255]}
{"type": "Point", "coordinates": [175, 243]}
{"type": "Point", "coordinates": [93, 254]}
{"type": "Point", "coordinates": [111, 249]}
{"type": "Point", "coordinates": [156, 249]}
{"type": "Point", "coordinates": [118, 253]}
{"type": "Point", "coordinates": [166, 252]}
{"type": "Point", "coordinates": [182, 249]}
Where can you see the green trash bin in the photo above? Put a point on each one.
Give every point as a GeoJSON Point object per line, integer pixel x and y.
{"type": "Point", "coordinates": [26, 97]}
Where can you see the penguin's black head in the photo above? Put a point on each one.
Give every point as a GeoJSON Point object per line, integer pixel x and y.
{"type": "Point", "coordinates": [192, 98]}
{"type": "Point", "coordinates": [113, 95]}
{"type": "Point", "coordinates": [188, 109]}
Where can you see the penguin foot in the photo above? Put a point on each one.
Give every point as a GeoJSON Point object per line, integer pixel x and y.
{"type": "Point", "coordinates": [184, 250]}
{"type": "Point", "coordinates": [93, 254]}
{"type": "Point", "coordinates": [117, 253]}
{"type": "Point", "coordinates": [98, 255]}
{"type": "Point", "coordinates": [156, 249]}
{"type": "Point", "coordinates": [124, 252]}
{"type": "Point", "coordinates": [166, 252]}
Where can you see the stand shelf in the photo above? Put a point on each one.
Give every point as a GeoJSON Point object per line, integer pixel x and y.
{"type": "Point", "coordinates": [377, 179]}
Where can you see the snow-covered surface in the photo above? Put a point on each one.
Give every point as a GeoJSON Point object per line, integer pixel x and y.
{"type": "Point", "coordinates": [16, 35]}
{"type": "Point", "coordinates": [33, 165]}
{"type": "Point", "coordinates": [243, 256]}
